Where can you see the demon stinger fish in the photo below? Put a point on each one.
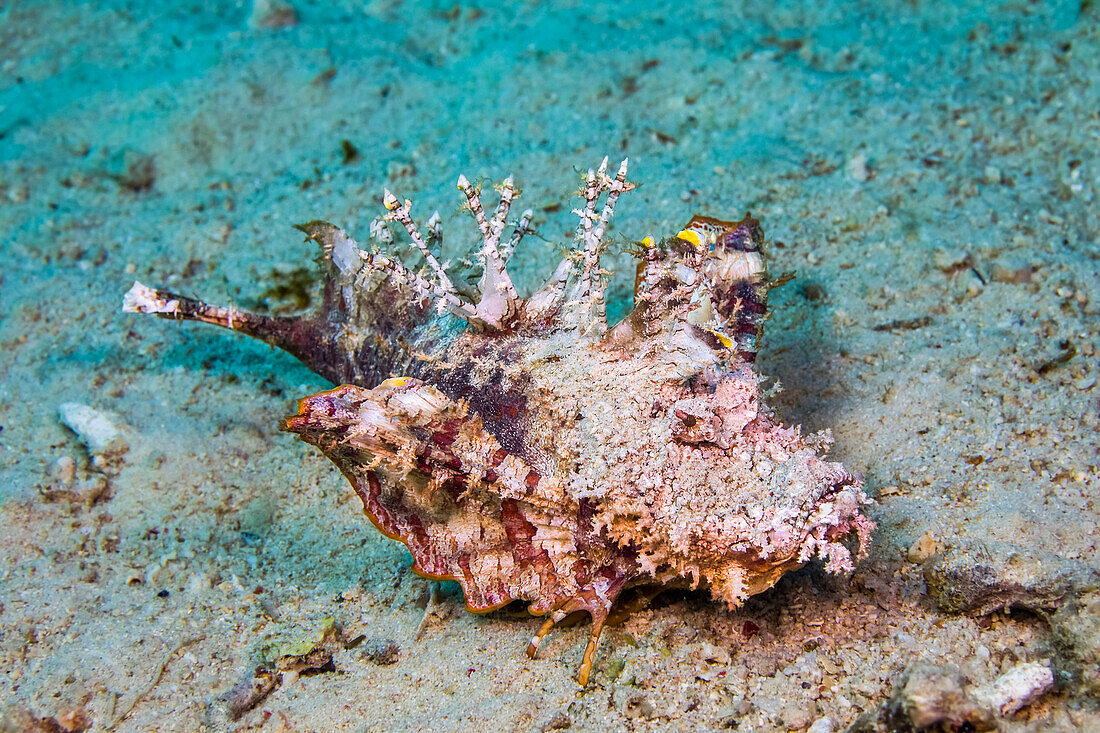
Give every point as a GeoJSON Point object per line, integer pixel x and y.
{"type": "Point", "coordinates": [528, 450]}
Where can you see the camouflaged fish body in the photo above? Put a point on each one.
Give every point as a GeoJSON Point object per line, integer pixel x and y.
{"type": "Point", "coordinates": [527, 450]}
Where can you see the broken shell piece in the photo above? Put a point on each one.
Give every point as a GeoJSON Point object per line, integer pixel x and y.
{"type": "Point", "coordinates": [249, 692]}
{"type": "Point", "coordinates": [1017, 688]}
{"type": "Point", "coordinates": [99, 430]}
{"type": "Point", "coordinates": [102, 432]}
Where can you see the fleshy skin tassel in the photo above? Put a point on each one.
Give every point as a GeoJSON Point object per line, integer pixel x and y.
{"type": "Point", "coordinates": [527, 449]}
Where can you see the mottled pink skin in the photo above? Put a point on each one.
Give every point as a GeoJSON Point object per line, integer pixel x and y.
{"type": "Point", "coordinates": [554, 542]}
{"type": "Point", "coordinates": [344, 421]}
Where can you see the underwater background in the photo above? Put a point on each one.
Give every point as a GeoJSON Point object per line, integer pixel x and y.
{"type": "Point", "coordinates": [928, 171]}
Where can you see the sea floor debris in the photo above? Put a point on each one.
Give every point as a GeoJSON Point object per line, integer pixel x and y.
{"type": "Point", "coordinates": [980, 577]}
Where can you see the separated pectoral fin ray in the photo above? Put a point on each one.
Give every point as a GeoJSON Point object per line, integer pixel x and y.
{"type": "Point", "coordinates": [309, 338]}
{"type": "Point", "coordinates": [599, 610]}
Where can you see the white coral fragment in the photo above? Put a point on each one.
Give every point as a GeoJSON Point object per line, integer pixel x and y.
{"type": "Point", "coordinates": [1017, 688]}
{"type": "Point", "coordinates": [101, 431]}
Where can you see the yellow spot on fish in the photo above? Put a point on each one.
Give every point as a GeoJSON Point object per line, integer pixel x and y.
{"type": "Point", "coordinates": [692, 236]}
{"type": "Point", "coordinates": [725, 340]}
{"type": "Point", "coordinates": [395, 382]}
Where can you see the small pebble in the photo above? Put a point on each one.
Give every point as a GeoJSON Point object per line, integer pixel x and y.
{"type": "Point", "coordinates": [382, 652]}
{"type": "Point", "coordinates": [950, 259]}
{"type": "Point", "coordinates": [857, 168]}
{"type": "Point", "coordinates": [796, 715]}
{"type": "Point", "coordinates": [272, 14]}
{"type": "Point", "coordinates": [925, 547]}
{"type": "Point", "coordinates": [64, 470]}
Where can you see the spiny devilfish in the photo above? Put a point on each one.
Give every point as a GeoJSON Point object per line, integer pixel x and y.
{"type": "Point", "coordinates": [527, 450]}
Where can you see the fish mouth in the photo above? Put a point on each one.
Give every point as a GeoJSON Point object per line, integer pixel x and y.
{"type": "Point", "coordinates": [837, 505]}
{"type": "Point", "coordinates": [830, 512]}
{"type": "Point", "coordinates": [317, 412]}
{"type": "Point", "coordinates": [841, 481]}
{"type": "Point", "coordinates": [297, 423]}
{"type": "Point", "coordinates": [835, 519]}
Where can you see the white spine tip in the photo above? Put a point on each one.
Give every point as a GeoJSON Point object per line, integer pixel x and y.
{"type": "Point", "coordinates": [143, 299]}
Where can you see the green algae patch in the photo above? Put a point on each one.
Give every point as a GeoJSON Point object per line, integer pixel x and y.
{"type": "Point", "coordinates": [296, 648]}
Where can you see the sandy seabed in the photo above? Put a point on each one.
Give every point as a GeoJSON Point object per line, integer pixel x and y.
{"type": "Point", "coordinates": [929, 171]}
